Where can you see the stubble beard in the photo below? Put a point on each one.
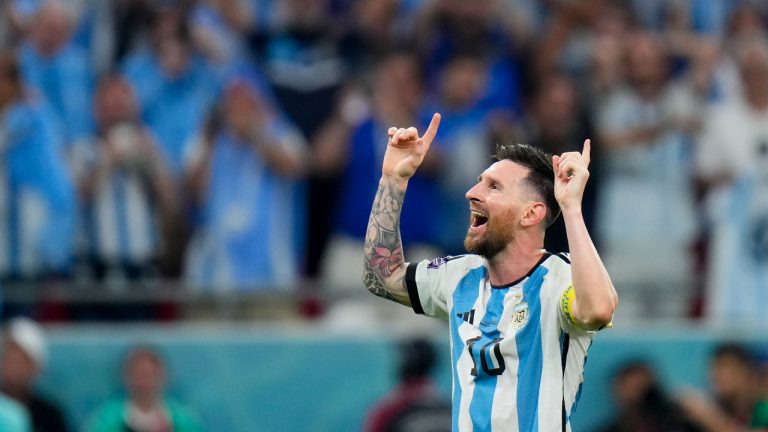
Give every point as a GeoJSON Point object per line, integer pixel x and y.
{"type": "Point", "coordinates": [495, 239]}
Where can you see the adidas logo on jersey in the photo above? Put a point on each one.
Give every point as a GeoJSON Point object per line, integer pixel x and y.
{"type": "Point", "coordinates": [467, 316]}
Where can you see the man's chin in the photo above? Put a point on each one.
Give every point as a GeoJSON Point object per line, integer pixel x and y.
{"type": "Point", "coordinates": [480, 245]}
{"type": "Point", "coordinates": [473, 244]}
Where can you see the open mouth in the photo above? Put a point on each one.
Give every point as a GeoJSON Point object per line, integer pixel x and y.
{"type": "Point", "coordinates": [478, 219]}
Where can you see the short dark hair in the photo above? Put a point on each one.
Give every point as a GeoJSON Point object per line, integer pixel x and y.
{"type": "Point", "coordinates": [540, 179]}
{"type": "Point", "coordinates": [144, 351]}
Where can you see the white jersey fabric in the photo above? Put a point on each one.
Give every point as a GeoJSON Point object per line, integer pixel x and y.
{"type": "Point", "coordinates": [517, 355]}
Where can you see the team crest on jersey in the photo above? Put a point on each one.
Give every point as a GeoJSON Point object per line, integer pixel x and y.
{"type": "Point", "coordinates": [519, 315]}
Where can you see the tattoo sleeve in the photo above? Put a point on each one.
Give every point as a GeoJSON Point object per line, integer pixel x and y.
{"type": "Point", "coordinates": [383, 246]}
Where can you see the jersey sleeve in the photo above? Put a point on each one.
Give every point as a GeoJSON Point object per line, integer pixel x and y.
{"type": "Point", "coordinates": [430, 284]}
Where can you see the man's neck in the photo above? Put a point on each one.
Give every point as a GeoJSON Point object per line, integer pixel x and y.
{"type": "Point", "coordinates": [515, 261]}
{"type": "Point", "coordinates": [147, 403]}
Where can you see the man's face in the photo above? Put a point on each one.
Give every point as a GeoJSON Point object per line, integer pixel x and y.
{"type": "Point", "coordinates": [729, 376]}
{"type": "Point", "coordinates": [496, 204]}
{"type": "Point", "coordinates": [144, 376]}
{"type": "Point", "coordinates": [115, 102]}
{"type": "Point", "coordinates": [754, 71]}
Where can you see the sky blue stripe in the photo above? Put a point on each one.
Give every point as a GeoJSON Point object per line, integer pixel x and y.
{"type": "Point", "coordinates": [529, 351]}
{"type": "Point", "coordinates": [485, 385]}
{"type": "Point", "coordinates": [464, 297]}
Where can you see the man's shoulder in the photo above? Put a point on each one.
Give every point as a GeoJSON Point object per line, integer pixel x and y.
{"type": "Point", "coordinates": [557, 263]}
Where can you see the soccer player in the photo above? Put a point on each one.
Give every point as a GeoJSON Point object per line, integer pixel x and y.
{"type": "Point", "coordinates": [521, 319]}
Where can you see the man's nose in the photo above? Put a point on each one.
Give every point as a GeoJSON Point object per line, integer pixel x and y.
{"type": "Point", "coordinates": [472, 194]}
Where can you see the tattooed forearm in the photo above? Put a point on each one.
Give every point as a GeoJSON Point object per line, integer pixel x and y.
{"type": "Point", "coordinates": [383, 246]}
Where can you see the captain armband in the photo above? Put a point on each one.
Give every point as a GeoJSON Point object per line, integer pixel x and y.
{"type": "Point", "coordinates": [566, 306]}
{"type": "Point", "coordinates": [566, 303]}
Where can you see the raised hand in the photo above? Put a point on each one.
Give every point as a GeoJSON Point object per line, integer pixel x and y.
{"type": "Point", "coordinates": [571, 175]}
{"type": "Point", "coordinates": [406, 150]}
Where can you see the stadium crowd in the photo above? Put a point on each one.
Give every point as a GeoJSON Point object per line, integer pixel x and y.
{"type": "Point", "coordinates": [235, 145]}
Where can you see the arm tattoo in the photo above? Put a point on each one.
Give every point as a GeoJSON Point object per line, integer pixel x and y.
{"type": "Point", "coordinates": [383, 246]}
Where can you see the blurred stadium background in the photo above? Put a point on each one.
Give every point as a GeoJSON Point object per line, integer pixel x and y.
{"type": "Point", "coordinates": [196, 176]}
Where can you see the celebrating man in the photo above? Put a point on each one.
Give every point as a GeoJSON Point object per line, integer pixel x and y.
{"type": "Point", "coordinates": [521, 318]}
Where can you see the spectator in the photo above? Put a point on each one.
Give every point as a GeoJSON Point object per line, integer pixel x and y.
{"type": "Point", "coordinates": [127, 191]}
{"type": "Point", "coordinates": [737, 402]}
{"type": "Point", "coordinates": [452, 29]}
{"type": "Point", "coordinates": [463, 146]}
{"type": "Point", "coordinates": [380, 27]}
{"type": "Point", "coordinates": [745, 23]}
{"type": "Point", "coordinates": [219, 28]}
{"type": "Point", "coordinates": [23, 358]}
{"type": "Point", "coordinates": [583, 35]}
{"type": "Point", "coordinates": [647, 193]}
{"type": "Point", "coordinates": [415, 405]}
{"type": "Point", "coordinates": [354, 144]}
{"type": "Point", "coordinates": [175, 87]}
{"type": "Point", "coordinates": [732, 156]}
{"type": "Point", "coordinates": [146, 407]}
{"type": "Point", "coordinates": [39, 210]}
{"type": "Point", "coordinates": [53, 66]}
{"type": "Point", "coordinates": [110, 30]}
{"type": "Point", "coordinates": [243, 173]}
{"type": "Point", "coordinates": [305, 57]}
{"type": "Point", "coordinates": [642, 403]}
{"type": "Point", "coordinates": [557, 123]}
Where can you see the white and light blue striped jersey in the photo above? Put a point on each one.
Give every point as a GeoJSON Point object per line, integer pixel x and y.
{"type": "Point", "coordinates": [120, 223]}
{"type": "Point", "coordinates": [738, 263]}
{"type": "Point", "coordinates": [517, 355]}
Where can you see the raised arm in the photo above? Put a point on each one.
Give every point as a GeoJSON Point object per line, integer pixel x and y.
{"type": "Point", "coordinates": [595, 298]}
{"type": "Point", "coordinates": [384, 267]}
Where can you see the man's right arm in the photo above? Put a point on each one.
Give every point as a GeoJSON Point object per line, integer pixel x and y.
{"type": "Point", "coordinates": [385, 265]}
{"type": "Point", "coordinates": [384, 268]}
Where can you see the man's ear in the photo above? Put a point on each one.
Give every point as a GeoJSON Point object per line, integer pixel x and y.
{"type": "Point", "coordinates": [534, 214]}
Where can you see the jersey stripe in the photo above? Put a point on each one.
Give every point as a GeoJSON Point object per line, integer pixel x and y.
{"type": "Point", "coordinates": [530, 352]}
{"type": "Point", "coordinates": [465, 294]}
{"type": "Point", "coordinates": [485, 384]}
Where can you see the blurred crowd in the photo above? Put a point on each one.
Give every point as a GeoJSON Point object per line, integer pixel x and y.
{"type": "Point", "coordinates": [142, 405]}
{"type": "Point", "coordinates": [235, 145]}
{"type": "Point", "coordinates": [735, 401]}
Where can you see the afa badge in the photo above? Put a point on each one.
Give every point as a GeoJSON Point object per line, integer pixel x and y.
{"type": "Point", "coordinates": [519, 315]}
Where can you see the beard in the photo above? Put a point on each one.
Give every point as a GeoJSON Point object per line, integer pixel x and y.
{"type": "Point", "coordinates": [499, 232]}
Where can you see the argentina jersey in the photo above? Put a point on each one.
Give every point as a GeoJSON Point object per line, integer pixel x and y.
{"type": "Point", "coordinates": [517, 354]}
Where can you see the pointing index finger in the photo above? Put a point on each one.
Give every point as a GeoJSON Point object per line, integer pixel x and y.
{"type": "Point", "coordinates": [429, 135]}
{"type": "Point", "coordinates": [585, 153]}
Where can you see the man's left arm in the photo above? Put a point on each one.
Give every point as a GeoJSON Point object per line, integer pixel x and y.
{"type": "Point", "coordinates": [594, 297]}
